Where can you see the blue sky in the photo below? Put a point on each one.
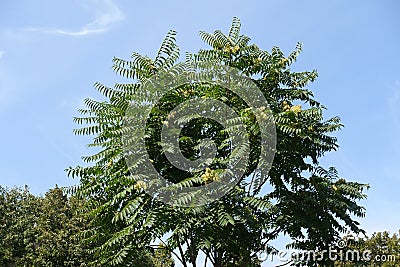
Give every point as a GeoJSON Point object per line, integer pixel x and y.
{"type": "Point", "coordinates": [51, 53]}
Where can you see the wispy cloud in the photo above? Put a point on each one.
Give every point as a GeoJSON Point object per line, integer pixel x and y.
{"type": "Point", "coordinates": [1, 53]}
{"type": "Point", "coordinates": [81, 32]}
{"type": "Point", "coordinates": [107, 13]}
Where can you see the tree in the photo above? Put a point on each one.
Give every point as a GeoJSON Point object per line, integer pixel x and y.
{"type": "Point", "coordinates": [57, 230]}
{"type": "Point", "coordinates": [41, 231]}
{"type": "Point", "coordinates": [297, 197]}
{"type": "Point", "coordinates": [382, 249]}
{"type": "Point", "coordinates": [18, 216]}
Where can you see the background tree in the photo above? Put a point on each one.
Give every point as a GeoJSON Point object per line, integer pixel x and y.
{"type": "Point", "coordinates": [383, 248]}
{"type": "Point", "coordinates": [41, 231]}
{"type": "Point", "coordinates": [297, 197]}
{"type": "Point", "coordinates": [19, 211]}
{"type": "Point", "coordinates": [384, 245]}
{"type": "Point", "coordinates": [56, 231]}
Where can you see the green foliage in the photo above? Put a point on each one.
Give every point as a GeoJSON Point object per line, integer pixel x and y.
{"type": "Point", "coordinates": [383, 248]}
{"type": "Point", "coordinates": [297, 197]}
{"type": "Point", "coordinates": [57, 230]}
{"type": "Point", "coordinates": [41, 231]}
{"type": "Point", "coordinates": [18, 215]}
